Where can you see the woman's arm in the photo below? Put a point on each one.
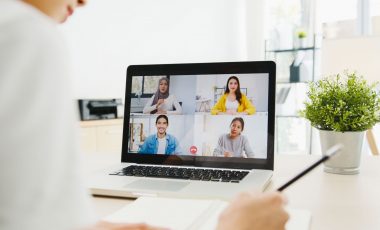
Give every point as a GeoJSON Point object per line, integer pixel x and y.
{"type": "Point", "coordinates": [149, 107]}
{"type": "Point", "coordinates": [218, 151]}
{"type": "Point", "coordinates": [247, 148]}
{"type": "Point", "coordinates": [220, 106]}
{"type": "Point", "coordinates": [172, 100]}
{"type": "Point", "coordinates": [248, 107]}
{"type": "Point", "coordinates": [104, 225]}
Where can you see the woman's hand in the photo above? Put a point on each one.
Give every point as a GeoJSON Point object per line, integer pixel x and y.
{"type": "Point", "coordinates": [160, 102]}
{"type": "Point", "coordinates": [255, 211]}
{"type": "Point", "coordinates": [231, 112]}
{"type": "Point", "coordinates": [228, 154]}
{"type": "Point", "coordinates": [161, 111]}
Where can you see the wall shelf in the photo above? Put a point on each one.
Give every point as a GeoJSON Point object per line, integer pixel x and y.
{"type": "Point", "coordinates": [291, 92]}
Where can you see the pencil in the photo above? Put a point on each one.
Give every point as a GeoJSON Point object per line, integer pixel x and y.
{"type": "Point", "coordinates": [329, 153]}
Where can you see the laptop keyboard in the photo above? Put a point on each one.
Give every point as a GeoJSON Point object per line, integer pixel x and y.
{"type": "Point", "coordinates": [233, 176]}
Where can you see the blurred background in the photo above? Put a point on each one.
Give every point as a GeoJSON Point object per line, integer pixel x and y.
{"type": "Point", "coordinates": [308, 39]}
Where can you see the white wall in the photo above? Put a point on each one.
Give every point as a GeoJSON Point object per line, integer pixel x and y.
{"type": "Point", "coordinates": [183, 88]}
{"type": "Point", "coordinates": [107, 36]}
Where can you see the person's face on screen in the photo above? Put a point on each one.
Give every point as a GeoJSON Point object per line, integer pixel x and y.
{"type": "Point", "coordinates": [233, 85]}
{"type": "Point", "coordinates": [236, 129]}
{"type": "Point", "coordinates": [161, 125]}
{"type": "Point", "coordinates": [163, 86]}
{"type": "Point", "coordinates": [58, 10]}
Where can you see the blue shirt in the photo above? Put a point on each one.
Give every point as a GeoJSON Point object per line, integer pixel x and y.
{"type": "Point", "coordinates": [150, 145]}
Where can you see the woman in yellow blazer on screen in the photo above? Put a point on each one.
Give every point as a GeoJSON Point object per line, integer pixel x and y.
{"type": "Point", "coordinates": [233, 101]}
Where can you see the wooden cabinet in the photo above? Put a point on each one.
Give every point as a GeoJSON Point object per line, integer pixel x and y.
{"type": "Point", "coordinates": [101, 135]}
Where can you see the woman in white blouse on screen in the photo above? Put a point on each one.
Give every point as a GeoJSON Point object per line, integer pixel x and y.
{"type": "Point", "coordinates": [162, 102]}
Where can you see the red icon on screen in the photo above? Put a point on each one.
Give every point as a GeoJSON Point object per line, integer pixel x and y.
{"type": "Point", "coordinates": [193, 149]}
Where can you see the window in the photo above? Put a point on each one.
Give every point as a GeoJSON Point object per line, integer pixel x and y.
{"type": "Point", "coordinates": [375, 17]}
{"type": "Point", "coordinates": [283, 17]}
{"type": "Point", "coordinates": [145, 86]}
{"type": "Point", "coordinates": [335, 23]}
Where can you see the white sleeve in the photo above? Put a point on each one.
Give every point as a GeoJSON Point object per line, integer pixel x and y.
{"type": "Point", "coordinates": [41, 184]}
{"type": "Point", "coordinates": [148, 106]}
{"type": "Point", "coordinates": [218, 151]}
{"type": "Point", "coordinates": [176, 105]}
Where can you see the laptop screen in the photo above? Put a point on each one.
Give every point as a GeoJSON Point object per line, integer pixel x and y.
{"type": "Point", "coordinates": [204, 118]}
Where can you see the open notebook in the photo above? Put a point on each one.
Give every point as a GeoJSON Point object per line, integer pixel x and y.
{"type": "Point", "coordinates": [188, 214]}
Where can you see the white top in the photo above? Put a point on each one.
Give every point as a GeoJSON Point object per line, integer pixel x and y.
{"type": "Point", "coordinates": [161, 145]}
{"type": "Point", "coordinates": [41, 185]}
{"type": "Point", "coordinates": [232, 105]}
{"type": "Point", "coordinates": [170, 105]}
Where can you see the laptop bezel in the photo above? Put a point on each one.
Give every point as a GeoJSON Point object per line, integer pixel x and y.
{"type": "Point", "coordinates": [253, 67]}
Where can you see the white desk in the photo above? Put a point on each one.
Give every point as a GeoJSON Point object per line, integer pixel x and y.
{"type": "Point", "coordinates": [335, 201]}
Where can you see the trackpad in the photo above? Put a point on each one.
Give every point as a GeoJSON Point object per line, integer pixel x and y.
{"type": "Point", "coordinates": [147, 184]}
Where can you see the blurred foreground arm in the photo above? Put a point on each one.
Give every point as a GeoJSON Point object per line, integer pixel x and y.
{"type": "Point", "coordinates": [103, 225]}
{"type": "Point", "coordinates": [255, 211]}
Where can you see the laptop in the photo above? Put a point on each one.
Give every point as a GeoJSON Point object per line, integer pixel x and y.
{"type": "Point", "coordinates": [199, 130]}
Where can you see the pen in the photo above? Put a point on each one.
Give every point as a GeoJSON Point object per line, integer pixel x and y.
{"type": "Point", "coordinates": [329, 153]}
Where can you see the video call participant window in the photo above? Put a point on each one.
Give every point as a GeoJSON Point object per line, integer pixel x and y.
{"type": "Point", "coordinates": [221, 115]}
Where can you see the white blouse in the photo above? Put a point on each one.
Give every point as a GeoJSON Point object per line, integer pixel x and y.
{"type": "Point", "coordinates": [41, 183]}
{"type": "Point", "coordinates": [232, 105]}
{"type": "Point", "coordinates": [170, 105]}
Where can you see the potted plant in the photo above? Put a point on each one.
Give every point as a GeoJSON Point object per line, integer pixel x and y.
{"type": "Point", "coordinates": [342, 108]}
{"type": "Point", "coordinates": [301, 34]}
{"type": "Point", "coordinates": [301, 38]}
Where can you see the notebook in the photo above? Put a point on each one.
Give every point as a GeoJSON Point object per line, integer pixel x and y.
{"type": "Point", "coordinates": [188, 214]}
{"type": "Point", "coordinates": [203, 130]}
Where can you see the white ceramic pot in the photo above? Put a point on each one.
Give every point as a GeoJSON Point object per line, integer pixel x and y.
{"type": "Point", "coordinates": [348, 160]}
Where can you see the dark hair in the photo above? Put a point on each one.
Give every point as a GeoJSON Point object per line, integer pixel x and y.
{"type": "Point", "coordinates": [162, 116]}
{"type": "Point", "coordinates": [238, 92]}
{"type": "Point", "coordinates": [240, 120]}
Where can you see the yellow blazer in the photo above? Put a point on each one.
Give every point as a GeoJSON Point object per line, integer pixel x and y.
{"type": "Point", "coordinates": [244, 106]}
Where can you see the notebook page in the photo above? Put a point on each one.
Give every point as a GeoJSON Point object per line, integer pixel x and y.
{"type": "Point", "coordinates": [299, 219]}
{"type": "Point", "coordinates": [189, 214]}
{"type": "Point", "coordinates": [164, 212]}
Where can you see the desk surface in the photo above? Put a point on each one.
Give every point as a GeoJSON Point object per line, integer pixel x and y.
{"type": "Point", "coordinates": [335, 201]}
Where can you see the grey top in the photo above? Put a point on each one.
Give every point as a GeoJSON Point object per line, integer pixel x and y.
{"type": "Point", "coordinates": [239, 147]}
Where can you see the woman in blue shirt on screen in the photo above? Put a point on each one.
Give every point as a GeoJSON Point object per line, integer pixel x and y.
{"type": "Point", "coordinates": [161, 142]}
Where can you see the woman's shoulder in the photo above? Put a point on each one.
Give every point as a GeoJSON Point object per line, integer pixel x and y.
{"type": "Point", "coordinates": [224, 136]}
{"type": "Point", "coordinates": [224, 96]}
{"type": "Point", "coordinates": [243, 138]}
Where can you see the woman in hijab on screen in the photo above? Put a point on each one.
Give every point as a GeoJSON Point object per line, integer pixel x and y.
{"type": "Point", "coordinates": [162, 102]}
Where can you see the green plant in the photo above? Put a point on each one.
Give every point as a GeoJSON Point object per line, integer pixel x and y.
{"type": "Point", "coordinates": [342, 104]}
{"type": "Point", "coordinates": [301, 34]}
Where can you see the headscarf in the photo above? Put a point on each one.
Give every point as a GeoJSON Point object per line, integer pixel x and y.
{"type": "Point", "coordinates": [158, 95]}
